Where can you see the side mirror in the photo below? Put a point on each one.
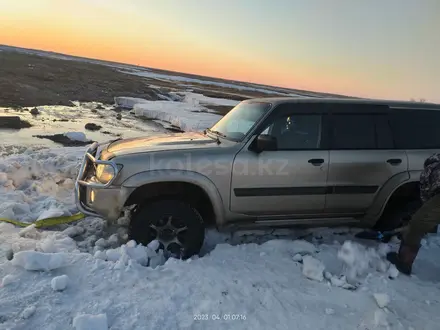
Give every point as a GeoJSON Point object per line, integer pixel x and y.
{"type": "Point", "coordinates": [265, 142]}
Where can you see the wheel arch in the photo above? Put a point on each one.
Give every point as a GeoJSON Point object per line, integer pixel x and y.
{"type": "Point", "coordinates": [192, 187]}
{"type": "Point", "coordinates": [402, 186]}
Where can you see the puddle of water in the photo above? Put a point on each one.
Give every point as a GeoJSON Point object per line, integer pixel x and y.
{"type": "Point", "coordinates": [61, 119]}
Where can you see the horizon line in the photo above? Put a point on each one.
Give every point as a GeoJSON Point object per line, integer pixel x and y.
{"type": "Point", "coordinates": [171, 71]}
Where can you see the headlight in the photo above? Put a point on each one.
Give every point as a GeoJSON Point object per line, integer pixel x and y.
{"type": "Point", "coordinates": [105, 173]}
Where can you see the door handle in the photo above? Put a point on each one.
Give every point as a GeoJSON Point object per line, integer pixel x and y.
{"type": "Point", "coordinates": [394, 161]}
{"type": "Point", "coordinates": [316, 161]}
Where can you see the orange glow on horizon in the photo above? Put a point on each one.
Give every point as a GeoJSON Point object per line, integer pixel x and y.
{"type": "Point", "coordinates": [172, 55]}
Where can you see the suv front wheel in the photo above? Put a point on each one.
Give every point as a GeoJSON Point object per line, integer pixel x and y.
{"type": "Point", "coordinates": [175, 224]}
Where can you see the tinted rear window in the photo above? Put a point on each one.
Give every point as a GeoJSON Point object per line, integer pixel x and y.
{"type": "Point", "coordinates": [416, 129]}
{"type": "Point", "coordinates": [353, 131]}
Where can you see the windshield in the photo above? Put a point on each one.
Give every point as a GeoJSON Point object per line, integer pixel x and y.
{"type": "Point", "coordinates": [238, 122]}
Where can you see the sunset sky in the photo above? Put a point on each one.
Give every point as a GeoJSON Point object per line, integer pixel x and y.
{"type": "Point", "coordinates": [374, 48]}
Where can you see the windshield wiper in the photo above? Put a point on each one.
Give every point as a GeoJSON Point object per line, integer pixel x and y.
{"type": "Point", "coordinates": [216, 133]}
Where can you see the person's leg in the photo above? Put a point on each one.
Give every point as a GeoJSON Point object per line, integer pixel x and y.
{"type": "Point", "coordinates": [422, 222]}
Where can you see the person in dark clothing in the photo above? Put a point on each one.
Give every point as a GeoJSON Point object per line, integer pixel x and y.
{"type": "Point", "coordinates": [424, 220]}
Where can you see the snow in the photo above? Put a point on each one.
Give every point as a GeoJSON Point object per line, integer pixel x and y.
{"type": "Point", "coordinates": [28, 312]}
{"type": "Point", "coordinates": [188, 114]}
{"type": "Point", "coordinates": [237, 86]}
{"type": "Point", "coordinates": [128, 102]}
{"type": "Point", "coordinates": [180, 115]}
{"type": "Point", "coordinates": [40, 261]}
{"type": "Point", "coordinates": [86, 275]}
{"type": "Point", "coordinates": [382, 299]}
{"type": "Point", "coordinates": [313, 268]}
{"type": "Point", "coordinates": [51, 213]}
{"type": "Point", "coordinates": [59, 283]}
{"type": "Point", "coordinates": [77, 136]}
{"type": "Point", "coordinates": [90, 322]}
{"type": "Point", "coordinates": [8, 279]}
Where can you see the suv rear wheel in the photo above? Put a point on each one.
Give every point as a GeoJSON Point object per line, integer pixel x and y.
{"type": "Point", "coordinates": [175, 224]}
{"type": "Point", "coordinates": [397, 216]}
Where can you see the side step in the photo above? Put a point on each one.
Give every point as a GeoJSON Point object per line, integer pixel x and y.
{"type": "Point", "coordinates": [304, 222]}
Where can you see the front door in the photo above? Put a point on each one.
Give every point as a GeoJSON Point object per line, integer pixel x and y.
{"type": "Point", "coordinates": [290, 180]}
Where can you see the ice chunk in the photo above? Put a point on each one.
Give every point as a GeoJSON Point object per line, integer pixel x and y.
{"type": "Point", "coordinates": [76, 136]}
{"type": "Point", "coordinates": [101, 243]}
{"type": "Point", "coordinates": [28, 312]}
{"type": "Point", "coordinates": [154, 245]}
{"type": "Point", "coordinates": [313, 268]}
{"type": "Point", "coordinates": [382, 299]}
{"type": "Point", "coordinates": [131, 244]}
{"type": "Point", "coordinates": [113, 240]}
{"type": "Point", "coordinates": [52, 244]}
{"type": "Point", "coordinates": [90, 322]}
{"type": "Point", "coordinates": [59, 283]}
{"type": "Point", "coordinates": [113, 254]}
{"type": "Point", "coordinates": [30, 232]}
{"type": "Point", "coordinates": [74, 231]}
{"type": "Point", "coordinates": [297, 257]}
{"type": "Point", "coordinates": [51, 213]}
{"type": "Point", "coordinates": [329, 311]}
{"type": "Point", "coordinates": [393, 272]}
{"type": "Point", "coordinates": [8, 279]}
{"type": "Point", "coordinates": [33, 260]}
{"type": "Point", "coordinates": [101, 255]}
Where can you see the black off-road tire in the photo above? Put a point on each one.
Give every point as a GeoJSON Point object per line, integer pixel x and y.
{"type": "Point", "coordinates": [150, 214]}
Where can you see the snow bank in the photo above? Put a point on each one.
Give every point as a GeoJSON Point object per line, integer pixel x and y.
{"type": "Point", "coordinates": [188, 113]}
{"type": "Point", "coordinates": [128, 102]}
{"type": "Point", "coordinates": [38, 183]}
{"type": "Point", "coordinates": [178, 114]}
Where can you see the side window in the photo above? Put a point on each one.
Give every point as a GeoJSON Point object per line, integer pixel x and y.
{"type": "Point", "coordinates": [296, 131]}
{"type": "Point", "coordinates": [353, 131]}
{"type": "Point", "coordinates": [417, 129]}
{"type": "Point", "coordinates": [384, 135]}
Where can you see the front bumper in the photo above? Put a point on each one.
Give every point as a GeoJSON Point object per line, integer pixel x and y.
{"type": "Point", "coordinates": [92, 197]}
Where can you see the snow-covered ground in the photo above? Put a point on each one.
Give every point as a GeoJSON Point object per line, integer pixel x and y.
{"type": "Point", "coordinates": [87, 275]}
{"type": "Point", "coordinates": [237, 86]}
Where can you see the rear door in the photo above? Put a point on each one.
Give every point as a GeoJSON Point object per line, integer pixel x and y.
{"type": "Point", "coordinates": [362, 157]}
{"type": "Point", "coordinates": [416, 131]}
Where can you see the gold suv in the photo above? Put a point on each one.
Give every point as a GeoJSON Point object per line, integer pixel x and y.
{"type": "Point", "coordinates": [268, 162]}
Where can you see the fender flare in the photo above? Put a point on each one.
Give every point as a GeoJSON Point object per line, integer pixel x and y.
{"type": "Point", "coordinates": [157, 176]}
{"type": "Point", "coordinates": [388, 190]}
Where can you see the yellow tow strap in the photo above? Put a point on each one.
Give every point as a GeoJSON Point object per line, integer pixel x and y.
{"type": "Point", "coordinates": [49, 222]}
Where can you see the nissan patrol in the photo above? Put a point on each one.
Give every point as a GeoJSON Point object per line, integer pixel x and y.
{"type": "Point", "coordinates": [268, 162]}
